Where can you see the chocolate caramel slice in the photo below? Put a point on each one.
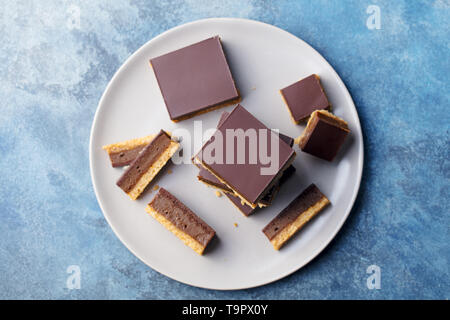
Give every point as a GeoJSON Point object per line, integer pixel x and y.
{"type": "Point", "coordinates": [180, 220]}
{"type": "Point", "coordinates": [295, 216]}
{"type": "Point", "coordinates": [324, 135]}
{"type": "Point", "coordinates": [304, 97]}
{"type": "Point", "coordinates": [146, 166]}
{"type": "Point", "coordinates": [195, 79]}
{"type": "Point", "coordinates": [123, 153]}
{"type": "Point", "coordinates": [237, 176]}
{"type": "Point", "coordinates": [209, 179]}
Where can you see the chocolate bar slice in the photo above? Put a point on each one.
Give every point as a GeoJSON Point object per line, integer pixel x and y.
{"type": "Point", "coordinates": [123, 153]}
{"type": "Point", "coordinates": [245, 179]}
{"type": "Point", "coordinates": [294, 217]}
{"type": "Point", "coordinates": [324, 135]}
{"type": "Point", "coordinates": [209, 179]}
{"type": "Point", "coordinates": [291, 219]}
{"type": "Point", "coordinates": [180, 220]}
{"type": "Point", "coordinates": [195, 79]}
{"type": "Point", "coordinates": [146, 166]}
{"type": "Point", "coordinates": [303, 97]}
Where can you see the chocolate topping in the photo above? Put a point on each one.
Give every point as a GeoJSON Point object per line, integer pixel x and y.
{"type": "Point", "coordinates": [246, 178]}
{"type": "Point", "coordinates": [182, 217]}
{"type": "Point", "coordinates": [194, 78]}
{"type": "Point", "coordinates": [309, 197]}
{"type": "Point", "coordinates": [125, 157]}
{"type": "Point", "coordinates": [305, 96]}
{"type": "Point", "coordinates": [146, 158]}
{"type": "Point", "coordinates": [324, 137]}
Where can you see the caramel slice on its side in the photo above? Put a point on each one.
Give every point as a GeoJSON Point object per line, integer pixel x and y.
{"type": "Point", "coordinates": [180, 220]}
{"type": "Point", "coordinates": [147, 165]}
{"type": "Point", "coordinates": [295, 216]}
{"type": "Point", "coordinates": [123, 153]}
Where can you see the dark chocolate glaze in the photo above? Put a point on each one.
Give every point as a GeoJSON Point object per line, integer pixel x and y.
{"type": "Point", "coordinates": [309, 197]}
{"type": "Point", "coordinates": [246, 178]}
{"type": "Point", "coordinates": [194, 78]}
{"type": "Point", "coordinates": [182, 217]}
{"type": "Point", "coordinates": [324, 137]}
{"type": "Point", "coordinates": [125, 157]}
{"type": "Point", "coordinates": [146, 158]}
{"type": "Point", "coordinates": [305, 96]}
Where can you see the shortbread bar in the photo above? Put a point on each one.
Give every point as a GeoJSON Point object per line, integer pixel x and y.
{"type": "Point", "coordinates": [294, 217]}
{"type": "Point", "coordinates": [180, 220]}
{"type": "Point", "coordinates": [147, 165]}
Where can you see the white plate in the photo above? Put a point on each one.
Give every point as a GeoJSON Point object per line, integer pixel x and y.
{"type": "Point", "coordinates": [263, 59]}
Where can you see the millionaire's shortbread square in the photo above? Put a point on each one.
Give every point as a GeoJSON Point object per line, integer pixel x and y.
{"type": "Point", "coordinates": [209, 179]}
{"type": "Point", "coordinates": [324, 135]}
{"type": "Point", "coordinates": [241, 146]}
{"type": "Point", "coordinates": [304, 97]}
{"type": "Point", "coordinates": [195, 79]}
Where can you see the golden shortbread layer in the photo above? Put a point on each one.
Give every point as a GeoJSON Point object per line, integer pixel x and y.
{"type": "Point", "coordinates": [280, 239]}
{"type": "Point", "coordinates": [128, 144]}
{"type": "Point", "coordinates": [148, 176]}
{"type": "Point", "coordinates": [187, 239]}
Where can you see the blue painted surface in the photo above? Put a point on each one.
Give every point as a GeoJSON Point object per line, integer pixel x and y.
{"type": "Point", "coordinates": [53, 74]}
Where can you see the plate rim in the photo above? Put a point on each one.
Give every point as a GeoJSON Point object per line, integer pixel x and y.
{"type": "Point", "coordinates": [331, 236]}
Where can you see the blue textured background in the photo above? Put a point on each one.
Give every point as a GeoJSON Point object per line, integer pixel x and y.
{"type": "Point", "coordinates": [52, 77]}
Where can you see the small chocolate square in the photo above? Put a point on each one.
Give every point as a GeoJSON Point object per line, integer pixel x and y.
{"type": "Point", "coordinates": [304, 97]}
{"type": "Point", "coordinates": [245, 178]}
{"type": "Point", "coordinates": [195, 79]}
{"type": "Point", "coordinates": [324, 135]}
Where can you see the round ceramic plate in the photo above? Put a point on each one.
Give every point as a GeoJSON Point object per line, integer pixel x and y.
{"type": "Point", "coordinates": [263, 59]}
